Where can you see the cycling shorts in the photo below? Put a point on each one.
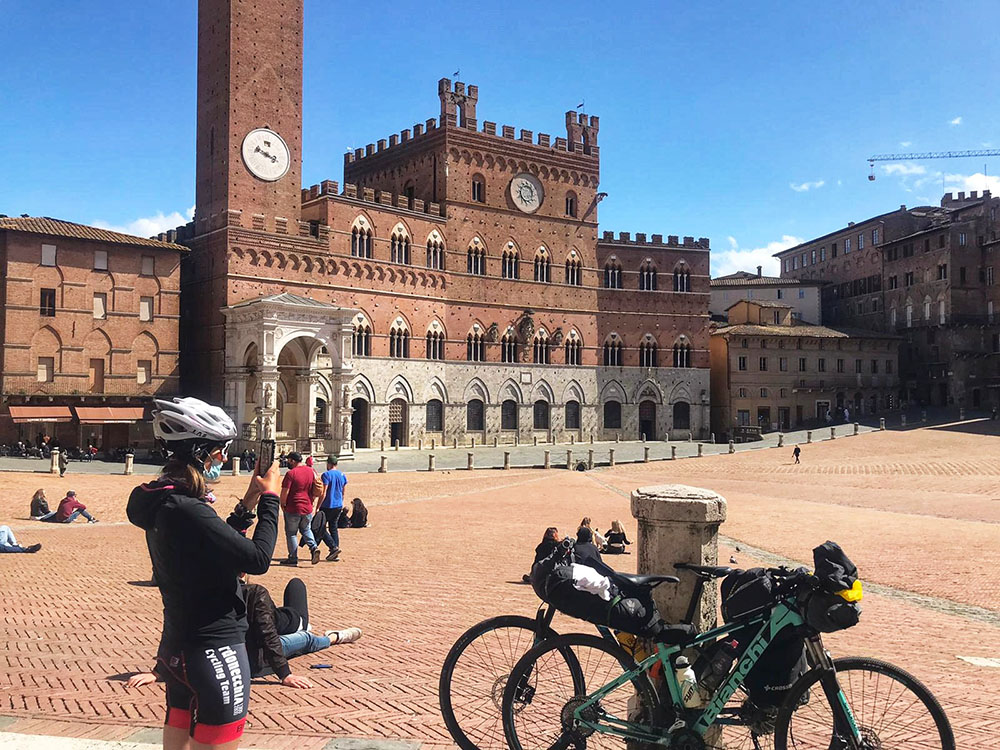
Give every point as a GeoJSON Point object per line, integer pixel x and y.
{"type": "Point", "coordinates": [208, 691]}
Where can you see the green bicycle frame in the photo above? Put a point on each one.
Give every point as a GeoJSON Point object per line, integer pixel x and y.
{"type": "Point", "coordinates": [770, 624]}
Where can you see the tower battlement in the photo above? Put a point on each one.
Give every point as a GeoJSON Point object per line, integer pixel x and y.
{"type": "Point", "coordinates": [656, 240]}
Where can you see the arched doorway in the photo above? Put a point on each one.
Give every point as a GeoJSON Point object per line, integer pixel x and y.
{"type": "Point", "coordinates": [398, 421]}
{"type": "Point", "coordinates": [647, 420]}
{"type": "Point", "coordinates": [359, 422]}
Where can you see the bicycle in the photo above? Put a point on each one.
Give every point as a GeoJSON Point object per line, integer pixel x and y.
{"type": "Point", "coordinates": [577, 690]}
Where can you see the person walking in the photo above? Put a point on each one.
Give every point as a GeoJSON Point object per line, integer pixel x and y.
{"type": "Point", "coordinates": [197, 559]}
{"type": "Point", "coordinates": [797, 452]}
{"type": "Point", "coordinates": [9, 544]}
{"type": "Point", "coordinates": [297, 504]}
{"type": "Point", "coordinates": [331, 505]}
{"type": "Point", "coordinates": [63, 462]}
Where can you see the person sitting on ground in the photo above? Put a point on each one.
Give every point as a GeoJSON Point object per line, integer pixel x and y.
{"type": "Point", "coordinates": [69, 510]}
{"type": "Point", "coordinates": [9, 544]}
{"type": "Point", "coordinates": [40, 506]}
{"type": "Point", "coordinates": [550, 540]}
{"type": "Point", "coordinates": [585, 552]}
{"type": "Point", "coordinates": [359, 514]}
{"type": "Point", "coordinates": [599, 541]}
{"type": "Point", "coordinates": [616, 540]}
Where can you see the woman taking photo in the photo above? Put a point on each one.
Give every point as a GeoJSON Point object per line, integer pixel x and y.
{"type": "Point", "coordinates": [197, 558]}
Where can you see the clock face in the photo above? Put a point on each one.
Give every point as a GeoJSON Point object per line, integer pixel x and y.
{"type": "Point", "coordinates": [527, 192]}
{"type": "Point", "coordinates": [266, 154]}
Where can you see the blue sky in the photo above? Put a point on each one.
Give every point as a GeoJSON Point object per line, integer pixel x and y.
{"type": "Point", "coordinates": [748, 123]}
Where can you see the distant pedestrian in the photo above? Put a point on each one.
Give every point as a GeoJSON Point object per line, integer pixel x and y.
{"type": "Point", "coordinates": [63, 463]}
{"type": "Point", "coordinates": [797, 452]}
{"type": "Point", "coordinates": [829, 416]}
{"type": "Point", "coordinates": [331, 505]}
{"type": "Point", "coordinates": [297, 504]}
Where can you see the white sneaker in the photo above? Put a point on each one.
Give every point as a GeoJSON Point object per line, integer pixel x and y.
{"type": "Point", "coordinates": [348, 635]}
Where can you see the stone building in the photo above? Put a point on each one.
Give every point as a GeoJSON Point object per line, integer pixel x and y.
{"type": "Point", "coordinates": [927, 274]}
{"type": "Point", "coordinates": [773, 371]}
{"type": "Point", "coordinates": [803, 296]}
{"type": "Point", "coordinates": [90, 324]}
{"type": "Point", "coordinates": [455, 287]}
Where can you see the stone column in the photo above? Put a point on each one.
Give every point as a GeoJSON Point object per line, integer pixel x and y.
{"type": "Point", "coordinates": [54, 461]}
{"type": "Point", "coordinates": [678, 523]}
{"type": "Point", "coordinates": [130, 463]}
{"type": "Point", "coordinates": [236, 465]}
{"type": "Point", "coordinates": [267, 411]}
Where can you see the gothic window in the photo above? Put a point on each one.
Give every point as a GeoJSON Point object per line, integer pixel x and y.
{"type": "Point", "coordinates": [540, 415]}
{"type": "Point", "coordinates": [399, 342]}
{"type": "Point", "coordinates": [571, 204]}
{"type": "Point", "coordinates": [478, 189]}
{"type": "Point", "coordinates": [508, 415]}
{"type": "Point", "coordinates": [361, 242]}
{"type": "Point", "coordinates": [613, 352]}
{"type": "Point", "coordinates": [399, 248]}
{"type": "Point", "coordinates": [682, 278]}
{"type": "Point", "coordinates": [435, 253]}
{"type": "Point", "coordinates": [648, 354]}
{"type": "Point", "coordinates": [612, 415]}
{"type": "Point", "coordinates": [682, 415]}
{"type": "Point", "coordinates": [361, 339]}
{"type": "Point", "coordinates": [435, 416]}
{"type": "Point", "coordinates": [474, 421]}
{"type": "Point", "coordinates": [543, 266]}
{"type": "Point", "coordinates": [612, 275]}
{"type": "Point", "coordinates": [508, 347]}
{"type": "Point", "coordinates": [682, 354]}
{"type": "Point", "coordinates": [647, 277]}
{"type": "Point", "coordinates": [510, 264]}
{"type": "Point", "coordinates": [435, 344]}
{"type": "Point", "coordinates": [476, 260]}
{"type": "Point", "coordinates": [540, 349]}
{"type": "Point", "coordinates": [475, 347]}
{"type": "Point", "coordinates": [573, 270]}
{"type": "Point", "coordinates": [572, 415]}
{"type": "Point", "coordinates": [574, 349]}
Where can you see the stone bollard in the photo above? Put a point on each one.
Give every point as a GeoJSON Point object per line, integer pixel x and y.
{"type": "Point", "coordinates": [130, 463]}
{"type": "Point", "coordinates": [881, 423]}
{"type": "Point", "coordinates": [673, 452]}
{"type": "Point", "coordinates": [506, 459]}
{"type": "Point", "coordinates": [395, 446]}
{"type": "Point", "coordinates": [833, 433]}
{"type": "Point", "coordinates": [569, 460]}
{"type": "Point", "coordinates": [857, 428]}
{"type": "Point", "coordinates": [383, 466]}
{"type": "Point", "coordinates": [711, 438]}
{"type": "Point", "coordinates": [591, 438]}
{"type": "Point", "coordinates": [496, 441]}
{"type": "Point", "coordinates": [454, 443]}
{"type": "Point", "coordinates": [548, 462]}
{"type": "Point", "coordinates": [572, 439]}
{"type": "Point", "coordinates": [781, 440]}
{"type": "Point", "coordinates": [354, 445]}
{"type": "Point", "coordinates": [611, 456]}
{"type": "Point", "coordinates": [701, 449]}
{"type": "Point", "coordinates": [923, 415]}
{"type": "Point", "coordinates": [618, 437]}
{"type": "Point", "coordinates": [381, 444]}
{"type": "Point", "coordinates": [430, 462]}
{"type": "Point", "coordinates": [643, 436]}
{"type": "Point", "coordinates": [732, 447]}
{"type": "Point", "coordinates": [590, 459]}
{"type": "Point", "coordinates": [645, 454]}
{"type": "Point", "coordinates": [690, 436]}
{"type": "Point", "coordinates": [809, 436]}
{"type": "Point", "coordinates": [471, 462]}
{"type": "Point", "coordinates": [534, 440]}
{"type": "Point", "coordinates": [961, 414]}
{"type": "Point", "coordinates": [517, 439]}
{"type": "Point", "coordinates": [902, 419]}
{"type": "Point", "coordinates": [678, 523]}
{"type": "Point", "coordinates": [473, 444]}
{"type": "Point", "coordinates": [54, 461]}
{"type": "Point", "coordinates": [420, 444]}
{"type": "Point", "coordinates": [433, 443]}
{"type": "Point", "coordinates": [234, 459]}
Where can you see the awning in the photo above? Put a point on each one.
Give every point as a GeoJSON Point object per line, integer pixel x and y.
{"type": "Point", "coordinates": [109, 414]}
{"type": "Point", "coordinates": [24, 414]}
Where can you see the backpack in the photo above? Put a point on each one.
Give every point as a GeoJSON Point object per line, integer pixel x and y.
{"type": "Point", "coordinates": [825, 609]}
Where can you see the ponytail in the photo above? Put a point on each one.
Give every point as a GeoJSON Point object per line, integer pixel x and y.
{"type": "Point", "coordinates": [187, 477]}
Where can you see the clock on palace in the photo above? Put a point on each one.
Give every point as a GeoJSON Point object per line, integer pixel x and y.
{"type": "Point", "coordinates": [266, 154]}
{"type": "Point", "coordinates": [527, 192]}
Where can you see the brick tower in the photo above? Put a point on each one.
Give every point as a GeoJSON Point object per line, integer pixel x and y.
{"type": "Point", "coordinates": [249, 78]}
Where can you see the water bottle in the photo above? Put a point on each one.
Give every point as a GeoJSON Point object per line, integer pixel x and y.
{"type": "Point", "coordinates": [690, 696]}
{"type": "Point", "coordinates": [714, 667]}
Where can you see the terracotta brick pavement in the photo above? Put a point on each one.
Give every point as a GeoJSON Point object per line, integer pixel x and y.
{"type": "Point", "coordinates": [918, 511]}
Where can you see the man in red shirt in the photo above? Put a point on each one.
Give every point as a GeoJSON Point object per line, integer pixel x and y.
{"type": "Point", "coordinates": [297, 503]}
{"type": "Point", "coordinates": [70, 509]}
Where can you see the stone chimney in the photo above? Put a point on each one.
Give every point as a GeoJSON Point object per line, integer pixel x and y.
{"type": "Point", "coordinates": [759, 269]}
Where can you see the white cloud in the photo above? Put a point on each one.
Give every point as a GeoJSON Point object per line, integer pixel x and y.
{"type": "Point", "coordinates": [147, 226]}
{"type": "Point", "coordinates": [905, 144]}
{"type": "Point", "coordinates": [738, 258]}
{"type": "Point", "coordinates": [956, 121]}
{"type": "Point", "coordinates": [968, 182]}
{"type": "Point", "coordinates": [803, 187]}
{"type": "Point", "coordinates": [903, 169]}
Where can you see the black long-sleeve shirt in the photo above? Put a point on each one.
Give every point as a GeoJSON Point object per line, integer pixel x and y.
{"type": "Point", "coordinates": [263, 641]}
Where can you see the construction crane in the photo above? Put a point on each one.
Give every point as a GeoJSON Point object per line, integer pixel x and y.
{"type": "Point", "coordinates": [928, 155]}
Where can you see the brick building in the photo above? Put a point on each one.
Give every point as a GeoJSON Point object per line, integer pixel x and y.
{"type": "Point", "coordinates": [926, 273]}
{"type": "Point", "coordinates": [456, 287]}
{"type": "Point", "coordinates": [90, 324]}
{"type": "Point", "coordinates": [801, 295]}
{"type": "Point", "coordinates": [776, 372]}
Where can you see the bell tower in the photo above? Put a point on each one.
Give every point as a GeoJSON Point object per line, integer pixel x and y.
{"type": "Point", "coordinates": [249, 133]}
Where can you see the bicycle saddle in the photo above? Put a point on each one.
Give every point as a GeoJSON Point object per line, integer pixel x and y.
{"type": "Point", "coordinates": [647, 580]}
{"type": "Point", "coordinates": [712, 571]}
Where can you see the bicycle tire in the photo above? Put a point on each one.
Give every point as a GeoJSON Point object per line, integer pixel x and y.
{"type": "Point", "coordinates": [451, 721]}
{"type": "Point", "coordinates": [564, 644]}
{"type": "Point", "coordinates": [845, 665]}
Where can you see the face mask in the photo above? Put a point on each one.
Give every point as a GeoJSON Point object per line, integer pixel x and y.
{"type": "Point", "coordinates": [213, 472]}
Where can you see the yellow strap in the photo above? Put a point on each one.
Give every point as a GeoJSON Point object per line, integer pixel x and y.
{"type": "Point", "coordinates": [852, 594]}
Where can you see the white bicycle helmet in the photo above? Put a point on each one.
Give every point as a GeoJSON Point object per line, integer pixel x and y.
{"type": "Point", "coordinates": [191, 428]}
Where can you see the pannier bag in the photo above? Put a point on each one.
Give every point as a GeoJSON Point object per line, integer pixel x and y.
{"type": "Point", "coordinates": [784, 661]}
{"type": "Point", "coordinates": [833, 606]}
{"type": "Point", "coordinates": [631, 612]}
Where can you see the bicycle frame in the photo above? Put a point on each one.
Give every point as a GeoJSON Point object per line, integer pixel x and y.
{"type": "Point", "coordinates": [768, 624]}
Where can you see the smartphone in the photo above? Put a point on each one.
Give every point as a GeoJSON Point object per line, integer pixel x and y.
{"type": "Point", "coordinates": [265, 456]}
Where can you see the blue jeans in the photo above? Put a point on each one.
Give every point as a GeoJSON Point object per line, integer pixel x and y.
{"type": "Point", "coordinates": [330, 534]}
{"type": "Point", "coordinates": [7, 541]}
{"type": "Point", "coordinates": [294, 525]}
{"type": "Point", "coordinates": [297, 644]}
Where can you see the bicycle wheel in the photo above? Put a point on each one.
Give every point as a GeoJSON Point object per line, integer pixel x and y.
{"type": "Point", "coordinates": [474, 675]}
{"type": "Point", "coordinates": [551, 681]}
{"type": "Point", "coordinates": [893, 710]}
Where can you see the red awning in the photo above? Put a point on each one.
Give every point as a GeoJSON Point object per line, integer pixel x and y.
{"type": "Point", "coordinates": [24, 414]}
{"type": "Point", "coordinates": [109, 414]}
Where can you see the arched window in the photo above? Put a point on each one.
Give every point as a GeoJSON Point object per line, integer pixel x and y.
{"type": "Point", "coordinates": [614, 351]}
{"type": "Point", "coordinates": [435, 253]}
{"type": "Point", "coordinates": [478, 188]}
{"type": "Point", "coordinates": [574, 275]}
{"type": "Point", "coordinates": [682, 278]}
{"type": "Point", "coordinates": [475, 347]}
{"type": "Point", "coordinates": [572, 415]}
{"type": "Point", "coordinates": [648, 353]}
{"type": "Point", "coordinates": [543, 265]}
{"type": "Point", "coordinates": [510, 264]}
{"type": "Point", "coordinates": [361, 241]}
{"type": "Point", "coordinates": [909, 314]}
{"type": "Point", "coordinates": [682, 354]}
{"type": "Point", "coordinates": [647, 277]}
{"type": "Point", "coordinates": [540, 348]}
{"type": "Point", "coordinates": [574, 349]}
{"type": "Point", "coordinates": [435, 344]}
{"type": "Point", "coordinates": [612, 275]}
{"type": "Point", "coordinates": [474, 421]}
{"type": "Point", "coordinates": [571, 204]}
{"type": "Point", "coordinates": [682, 415]}
{"type": "Point", "coordinates": [476, 259]}
{"type": "Point", "coordinates": [435, 416]}
{"type": "Point", "coordinates": [508, 415]}
{"type": "Point", "coordinates": [927, 308]}
{"type": "Point", "coordinates": [612, 415]}
{"type": "Point", "coordinates": [892, 317]}
{"type": "Point", "coordinates": [399, 342]}
{"type": "Point", "coordinates": [508, 347]}
{"type": "Point", "coordinates": [361, 339]}
{"type": "Point", "coordinates": [399, 248]}
{"type": "Point", "coordinates": [540, 415]}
